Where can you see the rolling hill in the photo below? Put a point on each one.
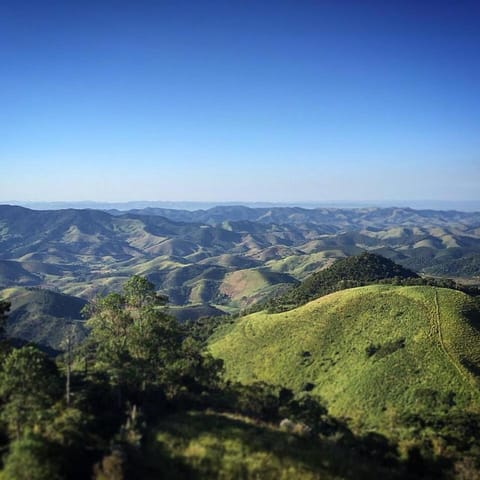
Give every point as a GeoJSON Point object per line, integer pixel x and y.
{"type": "Point", "coordinates": [194, 256]}
{"type": "Point", "coordinates": [373, 353]}
{"type": "Point", "coordinates": [14, 273]}
{"type": "Point", "coordinates": [43, 317]}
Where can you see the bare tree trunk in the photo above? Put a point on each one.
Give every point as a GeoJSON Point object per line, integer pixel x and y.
{"type": "Point", "coordinates": [69, 341]}
{"type": "Point", "coordinates": [67, 388]}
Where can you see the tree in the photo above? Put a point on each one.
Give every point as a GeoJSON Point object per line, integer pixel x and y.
{"type": "Point", "coordinates": [4, 309]}
{"type": "Point", "coordinates": [30, 458]}
{"type": "Point", "coordinates": [194, 367]}
{"type": "Point", "coordinates": [29, 385]}
{"type": "Point", "coordinates": [139, 346]}
{"type": "Point", "coordinates": [134, 338]}
{"type": "Point", "coordinates": [139, 292]}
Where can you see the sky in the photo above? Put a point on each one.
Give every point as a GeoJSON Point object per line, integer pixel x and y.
{"type": "Point", "coordinates": [258, 101]}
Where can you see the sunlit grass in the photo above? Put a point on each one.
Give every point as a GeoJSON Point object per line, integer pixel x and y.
{"type": "Point", "coordinates": [325, 343]}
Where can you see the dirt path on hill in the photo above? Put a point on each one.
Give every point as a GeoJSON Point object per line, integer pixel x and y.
{"type": "Point", "coordinates": [452, 359]}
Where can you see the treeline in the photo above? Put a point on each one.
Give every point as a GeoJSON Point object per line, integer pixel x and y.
{"type": "Point", "coordinates": [355, 271]}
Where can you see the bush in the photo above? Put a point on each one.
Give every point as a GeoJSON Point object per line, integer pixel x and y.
{"type": "Point", "coordinates": [297, 428]}
{"type": "Point", "coordinates": [112, 467]}
{"type": "Point", "coordinates": [30, 458]}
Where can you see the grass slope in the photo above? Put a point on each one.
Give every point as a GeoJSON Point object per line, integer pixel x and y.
{"type": "Point", "coordinates": [371, 352]}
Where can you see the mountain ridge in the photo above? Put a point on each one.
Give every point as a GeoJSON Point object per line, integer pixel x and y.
{"type": "Point", "coordinates": [85, 252]}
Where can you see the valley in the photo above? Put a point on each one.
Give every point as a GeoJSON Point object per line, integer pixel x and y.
{"type": "Point", "coordinates": [227, 257]}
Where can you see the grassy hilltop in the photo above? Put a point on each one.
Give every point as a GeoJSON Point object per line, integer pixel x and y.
{"type": "Point", "coordinates": [371, 352]}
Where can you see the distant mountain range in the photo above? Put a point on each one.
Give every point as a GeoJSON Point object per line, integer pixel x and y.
{"type": "Point", "coordinates": [385, 350]}
{"type": "Point", "coordinates": [226, 256]}
{"type": "Point", "coordinates": [460, 205]}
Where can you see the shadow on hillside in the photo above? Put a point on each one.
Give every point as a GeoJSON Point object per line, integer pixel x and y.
{"type": "Point", "coordinates": [472, 314]}
{"type": "Point", "coordinates": [202, 445]}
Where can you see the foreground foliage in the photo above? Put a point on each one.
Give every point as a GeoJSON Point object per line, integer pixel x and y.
{"type": "Point", "coordinates": [141, 399]}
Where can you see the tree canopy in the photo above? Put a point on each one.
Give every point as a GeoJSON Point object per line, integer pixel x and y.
{"type": "Point", "coordinates": [135, 340]}
{"type": "Point", "coordinates": [29, 385]}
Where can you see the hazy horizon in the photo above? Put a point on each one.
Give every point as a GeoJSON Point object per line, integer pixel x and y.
{"type": "Point", "coordinates": [466, 206]}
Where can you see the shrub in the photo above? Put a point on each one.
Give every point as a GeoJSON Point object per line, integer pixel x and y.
{"type": "Point", "coordinates": [30, 458]}
{"type": "Point", "coordinates": [112, 467]}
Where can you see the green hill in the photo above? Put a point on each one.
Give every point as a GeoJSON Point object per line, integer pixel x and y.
{"type": "Point", "coordinates": [372, 352]}
{"type": "Point", "coordinates": [42, 316]}
{"type": "Point", "coordinates": [344, 273]}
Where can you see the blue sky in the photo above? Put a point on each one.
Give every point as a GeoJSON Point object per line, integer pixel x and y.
{"type": "Point", "coordinates": [282, 101]}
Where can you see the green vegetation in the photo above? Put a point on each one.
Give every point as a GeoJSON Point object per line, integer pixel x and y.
{"type": "Point", "coordinates": [374, 353]}
{"type": "Point", "coordinates": [28, 386]}
{"type": "Point", "coordinates": [59, 422]}
{"type": "Point", "coordinates": [212, 445]}
{"type": "Point", "coordinates": [458, 266]}
{"type": "Point", "coordinates": [136, 344]}
{"type": "Point", "coordinates": [344, 273]}
{"type": "Point", "coordinates": [30, 458]}
{"type": "Point", "coordinates": [141, 398]}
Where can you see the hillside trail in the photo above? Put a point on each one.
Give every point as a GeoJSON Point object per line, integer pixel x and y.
{"type": "Point", "coordinates": [453, 360]}
{"type": "Point", "coordinates": [249, 334]}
